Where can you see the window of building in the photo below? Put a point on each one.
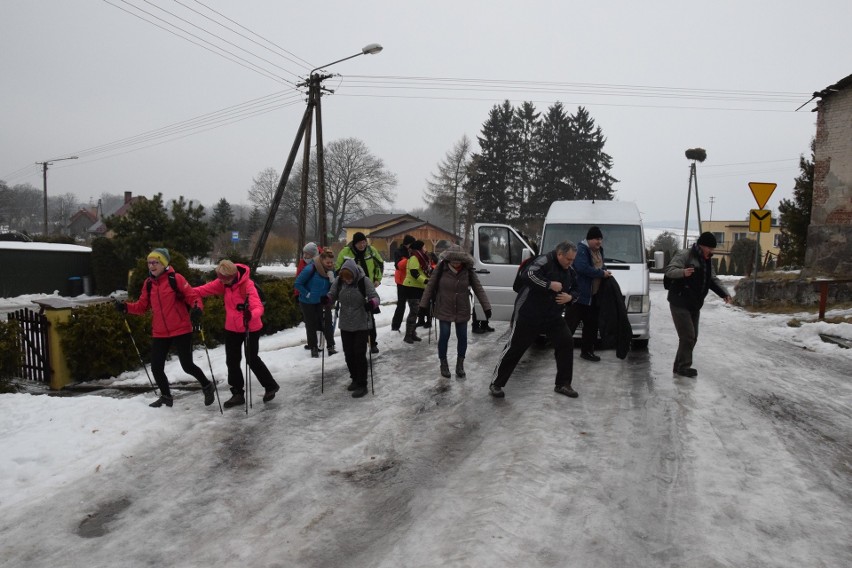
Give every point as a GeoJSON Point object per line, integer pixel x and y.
{"type": "Point", "coordinates": [776, 242]}
{"type": "Point", "coordinates": [720, 238]}
{"type": "Point", "coordinates": [738, 236]}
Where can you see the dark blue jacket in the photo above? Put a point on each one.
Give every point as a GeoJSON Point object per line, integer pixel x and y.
{"type": "Point", "coordinates": [586, 272]}
{"type": "Point", "coordinates": [311, 285]}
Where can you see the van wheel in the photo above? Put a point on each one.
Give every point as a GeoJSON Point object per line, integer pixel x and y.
{"type": "Point", "coordinates": [640, 344]}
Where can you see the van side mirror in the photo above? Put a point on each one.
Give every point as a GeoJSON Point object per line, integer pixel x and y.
{"type": "Point", "coordinates": [525, 254]}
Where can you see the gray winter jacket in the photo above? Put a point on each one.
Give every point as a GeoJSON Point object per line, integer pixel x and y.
{"type": "Point", "coordinates": [353, 315]}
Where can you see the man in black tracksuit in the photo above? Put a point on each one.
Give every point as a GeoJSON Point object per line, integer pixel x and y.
{"type": "Point", "coordinates": [550, 284]}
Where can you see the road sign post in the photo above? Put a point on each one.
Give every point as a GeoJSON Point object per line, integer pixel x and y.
{"type": "Point", "coordinates": [759, 221]}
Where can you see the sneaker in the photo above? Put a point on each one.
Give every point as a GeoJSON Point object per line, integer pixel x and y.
{"type": "Point", "coordinates": [359, 392]}
{"type": "Point", "coordinates": [589, 357]}
{"type": "Point", "coordinates": [375, 348]}
{"type": "Point", "coordinates": [496, 392]}
{"type": "Point", "coordinates": [270, 393]}
{"type": "Point", "coordinates": [687, 372]}
{"type": "Point", "coordinates": [566, 390]}
{"type": "Point", "coordinates": [208, 394]}
{"type": "Point", "coordinates": [331, 350]}
{"type": "Point", "coordinates": [163, 400]}
{"type": "Point", "coordinates": [237, 399]}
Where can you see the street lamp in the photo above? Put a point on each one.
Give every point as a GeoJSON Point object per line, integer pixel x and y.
{"type": "Point", "coordinates": [315, 88]}
{"type": "Point", "coordinates": [44, 182]}
{"type": "Point", "coordinates": [696, 155]}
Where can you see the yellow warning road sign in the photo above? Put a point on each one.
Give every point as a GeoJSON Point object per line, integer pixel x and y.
{"type": "Point", "coordinates": [761, 191]}
{"type": "Point", "coordinates": [760, 220]}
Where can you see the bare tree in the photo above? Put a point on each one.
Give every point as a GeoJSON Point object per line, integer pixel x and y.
{"type": "Point", "coordinates": [445, 190]}
{"type": "Point", "coordinates": [263, 188]}
{"type": "Point", "coordinates": [356, 182]}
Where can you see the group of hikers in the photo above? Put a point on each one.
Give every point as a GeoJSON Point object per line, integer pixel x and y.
{"type": "Point", "coordinates": [556, 291]}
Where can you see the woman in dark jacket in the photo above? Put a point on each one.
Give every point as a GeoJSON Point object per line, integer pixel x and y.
{"type": "Point", "coordinates": [449, 290]}
{"type": "Point", "coordinates": [175, 309]}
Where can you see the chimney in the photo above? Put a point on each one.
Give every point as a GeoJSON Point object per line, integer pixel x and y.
{"type": "Point", "coordinates": [127, 197]}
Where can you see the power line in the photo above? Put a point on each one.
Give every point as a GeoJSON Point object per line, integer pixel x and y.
{"type": "Point", "coordinates": [307, 65]}
{"type": "Point", "coordinates": [241, 61]}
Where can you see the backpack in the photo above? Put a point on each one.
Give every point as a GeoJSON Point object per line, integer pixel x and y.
{"type": "Point", "coordinates": [519, 282]}
{"type": "Point", "coordinates": [667, 282]}
{"type": "Point", "coordinates": [172, 282]}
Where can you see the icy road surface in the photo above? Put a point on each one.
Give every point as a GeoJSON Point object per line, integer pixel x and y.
{"type": "Point", "coordinates": [749, 465]}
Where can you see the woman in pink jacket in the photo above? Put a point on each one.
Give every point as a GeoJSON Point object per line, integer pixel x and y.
{"type": "Point", "coordinates": [175, 309]}
{"type": "Point", "coordinates": [242, 306]}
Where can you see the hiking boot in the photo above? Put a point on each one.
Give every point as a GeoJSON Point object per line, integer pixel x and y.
{"type": "Point", "coordinates": [486, 327]}
{"type": "Point", "coordinates": [687, 372]}
{"type": "Point", "coordinates": [460, 368]}
{"type": "Point", "coordinates": [566, 390]}
{"type": "Point", "coordinates": [589, 357]}
{"type": "Point", "coordinates": [163, 400]}
{"type": "Point", "coordinates": [331, 350]}
{"type": "Point", "coordinates": [374, 348]}
{"type": "Point", "coordinates": [408, 338]}
{"type": "Point", "coordinates": [360, 390]}
{"type": "Point", "coordinates": [415, 337]}
{"type": "Point", "coordinates": [314, 352]}
{"type": "Point", "coordinates": [445, 369]}
{"type": "Point", "coordinates": [208, 393]}
{"type": "Point", "coordinates": [352, 386]}
{"type": "Point", "coordinates": [237, 399]}
{"type": "Point", "coordinates": [307, 346]}
{"type": "Point", "coordinates": [496, 392]}
{"type": "Point", "coordinates": [478, 329]}
{"type": "Point", "coordinates": [270, 393]}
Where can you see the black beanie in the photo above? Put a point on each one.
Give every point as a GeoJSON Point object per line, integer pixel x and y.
{"type": "Point", "coordinates": [594, 233]}
{"type": "Point", "coordinates": [358, 237]}
{"type": "Point", "coordinates": [407, 240]}
{"type": "Point", "coordinates": [417, 245]}
{"type": "Point", "coordinates": [707, 240]}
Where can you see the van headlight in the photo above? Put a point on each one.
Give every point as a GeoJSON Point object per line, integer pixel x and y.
{"type": "Point", "coordinates": [638, 304]}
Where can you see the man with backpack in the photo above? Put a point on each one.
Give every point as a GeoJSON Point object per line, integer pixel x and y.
{"type": "Point", "coordinates": [547, 285]}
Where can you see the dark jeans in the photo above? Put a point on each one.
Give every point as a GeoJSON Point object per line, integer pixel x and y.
{"type": "Point", "coordinates": [590, 316]}
{"type": "Point", "coordinates": [686, 325]}
{"type": "Point", "coordinates": [444, 338]}
{"type": "Point", "coordinates": [399, 312]}
{"type": "Point", "coordinates": [312, 315]}
{"type": "Point", "coordinates": [522, 334]}
{"type": "Point", "coordinates": [355, 351]}
{"type": "Point", "coordinates": [183, 347]}
{"type": "Point", "coordinates": [233, 358]}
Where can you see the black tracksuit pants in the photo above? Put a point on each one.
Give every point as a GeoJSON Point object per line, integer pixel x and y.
{"type": "Point", "coordinates": [522, 334]}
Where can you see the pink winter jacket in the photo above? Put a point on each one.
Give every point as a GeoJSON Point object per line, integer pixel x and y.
{"type": "Point", "coordinates": [234, 295]}
{"type": "Point", "coordinates": [169, 310]}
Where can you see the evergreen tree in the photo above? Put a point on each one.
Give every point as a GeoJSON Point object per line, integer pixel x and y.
{"type": "Point", "coordinates": [494, 173]}
{"type": "Point", "coordinates": [795, 215]}
{"type": "Point", "coordinates": [723, 266]}
{"type": "Point", "coordinates": [187, 231]}
{"type": "Point", "coordinates": [525, 133]}
{"type": "Point", "coordinates": [589, 164]}
{"type": "Point", "coordinates": [222, 219]}
{"type": "Point", "coordinates": [141, 229]}
{"type": "Point", "coordinates": [552, 160]}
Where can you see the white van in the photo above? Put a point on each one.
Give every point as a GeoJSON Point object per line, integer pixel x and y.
{"type": "Point", "coordinates": [623, 245]}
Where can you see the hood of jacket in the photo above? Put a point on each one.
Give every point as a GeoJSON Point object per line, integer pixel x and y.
{"type": "Point", "coordinates": [456, 254]}
{"type": "Point", "coordinates": [353, 268]}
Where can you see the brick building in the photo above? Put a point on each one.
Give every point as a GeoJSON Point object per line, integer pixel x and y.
{"type": "Point", "coordinates": [829, 245]}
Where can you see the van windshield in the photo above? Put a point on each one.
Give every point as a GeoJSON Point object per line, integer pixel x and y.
{"type": "Point", "coordinates": [621, 243]}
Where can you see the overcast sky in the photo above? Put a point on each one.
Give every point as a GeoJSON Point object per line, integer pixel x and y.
{"type": "Point", "coordinates": [728, 76]}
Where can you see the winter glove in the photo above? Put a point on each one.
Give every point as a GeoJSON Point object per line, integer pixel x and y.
{"type": "Point", "coordinates": [120, 307]}
{"type": "Point", "coordinates": [488, 314]}
{"type": "Point", "coordinates": [373, 305]}
{"type": "Point", "coordinates": [195, 318]}
{"type": "Point", "coordinates": [422, 312]}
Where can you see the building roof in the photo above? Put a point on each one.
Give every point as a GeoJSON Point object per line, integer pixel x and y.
{"type": "Point", "coordinates": [844, 83]}
{"type": "Point", "coordinates": [122, 211]}
{"type": "Point", "coordinates": [397, 229]}
{"type": "Point", "coordinates": [378, 219]}
{"type": "Point", "coordinates": [89, 213]}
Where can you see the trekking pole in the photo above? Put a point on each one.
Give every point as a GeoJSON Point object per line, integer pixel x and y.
{"type": "Point", "coordinates": [127, 325]}
{"type": "Point", "coordinates": [432, 321]}
{"type": "Point", "coordinates": [321, 333]}
{"type": "Point", "coordinates": [213, 378]}
{"type": "Point", "coordinates": [372, 386]}
{"type": "Point", "coordinates": [246, 316]}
